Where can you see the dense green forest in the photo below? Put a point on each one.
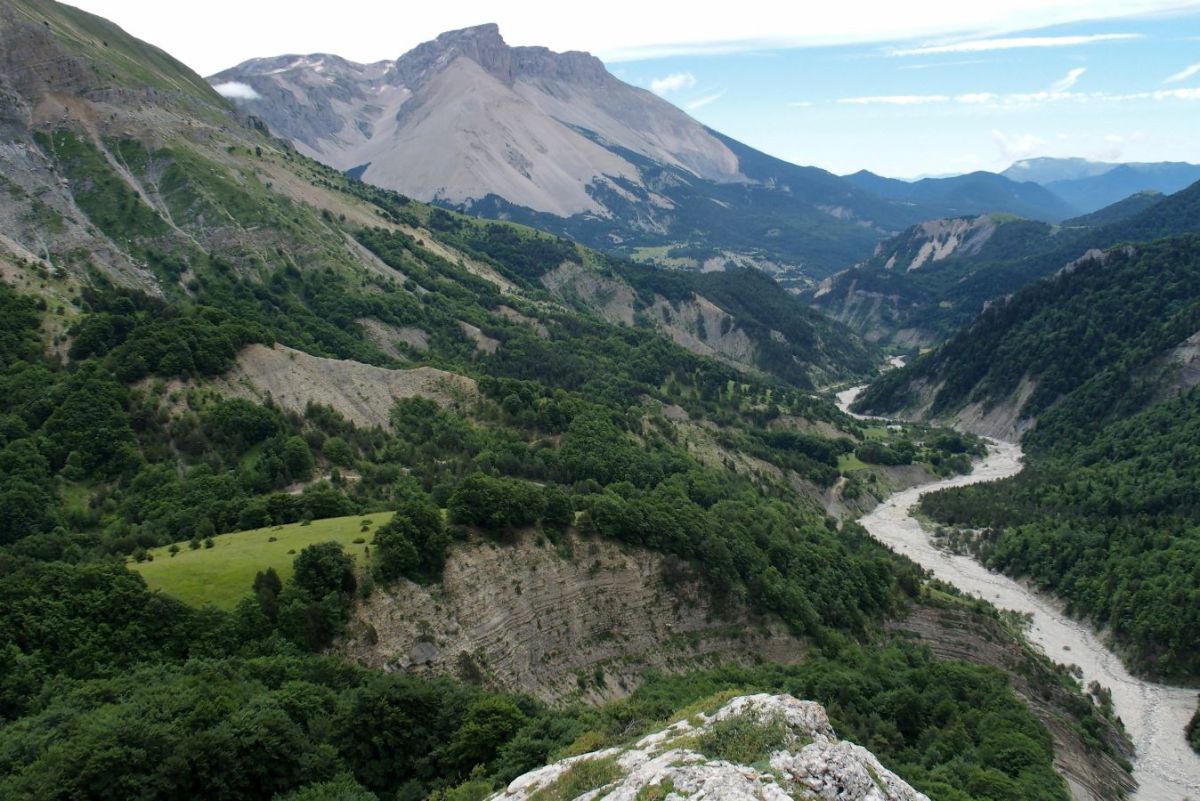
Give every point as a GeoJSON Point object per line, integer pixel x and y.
{"type": "Point", "coordinates": [943, 296]}
{"type": "Point", "coordinates": [94, 467]}
{"type": "Point", "coordinates": [1105, 513]}
{"type": "Point", "coordinates": [1091, 333]}
{"type": "Point", "coordinates": [173, 237]}
{"type": "Point", "coordinates": [188, 703]}
{"type": "Point", "coordinates": [110, 691]}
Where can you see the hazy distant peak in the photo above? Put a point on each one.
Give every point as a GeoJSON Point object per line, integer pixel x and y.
{"type": "Point", "coordinates": [1045, 169]}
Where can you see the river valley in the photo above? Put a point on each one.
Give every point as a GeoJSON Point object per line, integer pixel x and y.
{"type": "Point", "coordinates": [1155, 715]}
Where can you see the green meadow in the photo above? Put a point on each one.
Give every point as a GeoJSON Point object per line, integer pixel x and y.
{"type": "Point", "coordinates": [222, 575]}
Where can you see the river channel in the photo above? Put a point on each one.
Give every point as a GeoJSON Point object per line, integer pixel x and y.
{"type": "Point", "coordinates": [1155, 715]}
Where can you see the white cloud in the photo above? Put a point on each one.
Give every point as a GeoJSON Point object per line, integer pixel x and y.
{"type": "Point", "coordinates": [1161, 94]}
{"type": "Point", "coordinates": [1068, 80]}
{"type": "Point", "coordinates": [1021, 100]}
{"type": "Point", "coordinates": [800, 103]}
{"type": "Point", "coordinates": [236, 90]}
{"type": "Point", "coordinates": [672, 83]}
{"type": "Point", "coordinates": [701, 102]}
{"type": "Point", "coordinates": [938, 64]}
{"type": "Point", "coordinates": [1017, 147]}
{"type": "Point", "coordinates": [217, 34]}
{"type": "Point", "coordinates": [976, 98]}
{"type": "Point", "coordinates": [1012, 43]}
{"type": "Point", "coordinates": [1183, 74]}
{"type": "Point", "coordinates": [1114, 145]}
{"type": "Point", "coordinates": [894, 100]}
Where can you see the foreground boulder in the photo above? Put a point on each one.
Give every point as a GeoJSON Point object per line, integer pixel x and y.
{"type": "Point", "coordinates": [755, 747]}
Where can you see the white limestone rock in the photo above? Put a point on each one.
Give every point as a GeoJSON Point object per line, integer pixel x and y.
{"type": "Point", "coordinates": [812, 763]}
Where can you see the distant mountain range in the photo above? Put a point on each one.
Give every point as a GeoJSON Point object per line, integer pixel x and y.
{"type": "Point", "coordinates": [1091, 185]}
{"type": "Point", "coordinates": [974, 193]}
{"type": "Point", "coordinates": [936, 276]}
{"type": "Point", "coordinates": [554, 140]}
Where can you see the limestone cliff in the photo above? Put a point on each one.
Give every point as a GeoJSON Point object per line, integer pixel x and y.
{"type": "Point", "coordinates": [797, 756]}
{"type": "Point", "coordinates": [588, 615]}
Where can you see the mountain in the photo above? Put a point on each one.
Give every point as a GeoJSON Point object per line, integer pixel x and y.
{"type": "Point", "coordinates": [902, 294]}
{"type": "Point", "coordinates": [1112, 309]}
{"type": "Point", "coordinates": [439, 98]}
{"type": "Point", "coordinates": [1046, 170]}
{"type": "Point", "coordinates": [974, 193]}
{"type": "Point", "coordinates": [164, 181]}
{"type": "Point", "coordinates": [1096, 367]}
{"type": "Point", "coordinates": [554, 141]}
{"type": "Point", "coordinates": [310, 490]}
{"type": "Point", "coordinates": [1091, 185]}
{"type": "Point", "coordinates": [922, 285]}
{"type": "Point", "coordinates": [1121, 210]}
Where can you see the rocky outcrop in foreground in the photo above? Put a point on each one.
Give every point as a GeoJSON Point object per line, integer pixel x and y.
{"type": "Point", "coordinates": [755, 747]}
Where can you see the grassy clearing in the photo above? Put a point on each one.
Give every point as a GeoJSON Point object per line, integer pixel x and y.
{"type": "Point", "coordinates": [222, 575]}
{"type": "Point", "coordinates": [848, 462]}
{"type": "Point", "coordinates": [648, 253]}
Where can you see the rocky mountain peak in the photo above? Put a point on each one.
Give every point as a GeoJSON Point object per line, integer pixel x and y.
{"type": "Point", "coordinates": [484, 45]}
{"type": "Point", "coordinates": [709, 757]}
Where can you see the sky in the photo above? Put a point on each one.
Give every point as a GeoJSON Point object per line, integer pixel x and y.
{"type": "Point", "coordinates": [924, 87]}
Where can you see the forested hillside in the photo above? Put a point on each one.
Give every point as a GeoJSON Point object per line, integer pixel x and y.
{"type": "Point", "coordinates": [1102, 356]}
{"type": "Point", "coordinates": [965, 265]}
{"type": "Point", "coordinates": [202, 332]}
{"type": "Point", "coordinates": [1087, 341]}
{"type": "Point", "coordinates": [1110, 524]}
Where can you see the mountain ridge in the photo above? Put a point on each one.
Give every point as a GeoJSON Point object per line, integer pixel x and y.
{"type": "Point", "coordinates": [923, 307]}
{"type": "Point", "coordinates": [555, 141]}
{"type": "Point", "coordinates": [525, 73]}
{"type": "Point", "coordinates": [977, 192]}
{"type": "Point", "coordinates": [1092, 185]}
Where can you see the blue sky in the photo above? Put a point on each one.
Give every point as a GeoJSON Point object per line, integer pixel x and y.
{"type": "Point", "coordinates": [1120, 90]}
{"type": "Point", "coordinates": [903, 89]}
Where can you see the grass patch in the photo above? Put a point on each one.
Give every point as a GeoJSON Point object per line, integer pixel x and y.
{"type": "Point", "coordinates": [875, 778]}
{"type": "Point", "coordinates": [710, 705]}
{"type": "Point", "coordinates": [657, 792]}
{"type": "Point", "coordinates": [585, 743]}
{"type": "Point", "coordinates": [111, 204]}
{"type": "Point", "coordinates": [584, 775]}
{"type": "Point", "coordinates": [222, 575]}
{"type": "Point", "coordinates": [744, 740]}
{"type": "Point", "coordinates": [848, 463]}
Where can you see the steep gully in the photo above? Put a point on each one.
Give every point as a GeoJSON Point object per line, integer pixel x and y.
{"type": "Point", "coordinates": [1155, 715]}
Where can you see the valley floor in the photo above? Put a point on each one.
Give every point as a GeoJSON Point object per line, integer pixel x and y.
{"type": "Point", "coordinates": [1155, 715]}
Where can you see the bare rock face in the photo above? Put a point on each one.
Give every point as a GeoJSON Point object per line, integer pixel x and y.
{"type": "Point", "coordinates": [801, 758]}
{"type": "Point", "coordinates": [362, 393]}
{"type": "Point", "coordinates": [466, 116]}
{"type": "Point", "coordinates": [590, 617]}
{"type": "Point", "coordinates": [936, 240]}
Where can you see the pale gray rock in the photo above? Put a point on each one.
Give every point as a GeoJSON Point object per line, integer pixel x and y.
{"type": "Point", "coordinates": [813, 763]}
{"type": "Point", "coordinates": [465, 116]}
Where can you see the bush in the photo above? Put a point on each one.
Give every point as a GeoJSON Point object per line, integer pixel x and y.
{"type": "Point", "coordinates": [496, 504]}
{"type": "Point", "coordinates": [412, 544]}
{"type": "Point", "coordinates": [873, 452]}
{"type": "Point", "coordinates": [322, 569]}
